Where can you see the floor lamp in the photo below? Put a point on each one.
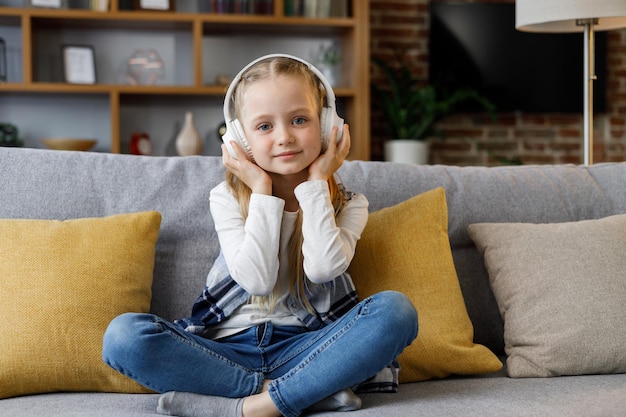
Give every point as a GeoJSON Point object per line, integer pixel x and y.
{"type": "Point", "coordinates": [587, 16]}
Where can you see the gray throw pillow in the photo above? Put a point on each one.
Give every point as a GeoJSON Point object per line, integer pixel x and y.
{"type": "Point", "coordinates": [561, 291]}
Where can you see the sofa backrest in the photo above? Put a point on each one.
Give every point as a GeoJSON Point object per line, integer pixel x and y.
{"type": "Point", "coordinates": [61, 185]}
{"type": "Point", "coordinates": [533, 194]}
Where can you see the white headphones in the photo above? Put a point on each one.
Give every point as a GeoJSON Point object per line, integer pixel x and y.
{"type": "Point", "coordinates": [328, 119]}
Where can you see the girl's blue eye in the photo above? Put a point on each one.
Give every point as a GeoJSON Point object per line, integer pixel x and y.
{"type": "Point", "coordinates": [299, 120]}
{"type": "Point", "coordinates": [264, 126]}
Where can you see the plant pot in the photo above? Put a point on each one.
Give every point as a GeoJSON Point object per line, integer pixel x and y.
{"type": "Point", "coordinates": [408, 151]}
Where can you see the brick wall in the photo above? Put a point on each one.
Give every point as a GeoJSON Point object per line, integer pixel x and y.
{"type": "Point", "coordinates": [515, 137]}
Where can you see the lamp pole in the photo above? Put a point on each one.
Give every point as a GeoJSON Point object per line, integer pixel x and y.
{"type": "Point", "coordinates": [589, 76]}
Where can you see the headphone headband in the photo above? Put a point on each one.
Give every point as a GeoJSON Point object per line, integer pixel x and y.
{"type": "Point", "coordinates": [330, 94]}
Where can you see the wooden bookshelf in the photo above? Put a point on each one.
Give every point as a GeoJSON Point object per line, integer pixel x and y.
{"type": "Point", "coordinates": [201, 44]}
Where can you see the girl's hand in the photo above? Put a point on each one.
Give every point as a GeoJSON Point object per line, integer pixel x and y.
{"type": "Point", "coordinates": [247, 171]}
{"type": "Point", "coordinates": [327, 163]}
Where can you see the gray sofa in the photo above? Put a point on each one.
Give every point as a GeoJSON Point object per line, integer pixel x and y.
{"type": "Point", "coordinates": [62, 185]}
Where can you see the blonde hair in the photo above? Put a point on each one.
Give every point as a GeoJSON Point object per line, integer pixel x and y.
{"type": "Point", "coordinates": [264, 70]}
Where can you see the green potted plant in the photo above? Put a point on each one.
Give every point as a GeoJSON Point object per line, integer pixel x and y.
{"type": "Point", "coordinates": [9, 135]}
{"type": "Point", "coordinates": [412, 108]}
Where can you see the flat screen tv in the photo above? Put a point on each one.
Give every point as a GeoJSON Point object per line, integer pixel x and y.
{"type": "Point", "coordinates": [476, 45]}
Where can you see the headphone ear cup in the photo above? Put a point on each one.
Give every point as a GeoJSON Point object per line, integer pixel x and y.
{"type": "Point", "coordinates": [325, 127]}
{"type": "Point", "coordinates": [234, 131]}
{"type": "Point", "coordinates": [328, 120]}
{"type": "Point", "coordinates": [228, 137]}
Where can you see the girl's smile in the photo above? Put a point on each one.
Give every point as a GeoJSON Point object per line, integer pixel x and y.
{"type": "Point", "coordinates": [287, 155]}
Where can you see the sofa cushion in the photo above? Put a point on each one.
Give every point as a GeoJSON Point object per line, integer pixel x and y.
{"type": "Point", "coordinates": [561, 290]}
{"type": "Point", "coordinates": [62, 283]}
{"type": "Point", "coordinates": [406, 248]}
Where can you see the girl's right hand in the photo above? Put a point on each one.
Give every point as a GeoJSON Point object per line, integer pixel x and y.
{"type": "Point", "coordinates": [247, 171]}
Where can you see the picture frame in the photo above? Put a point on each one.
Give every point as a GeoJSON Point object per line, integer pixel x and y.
{"type": "Point", "coordinates": [154, 5]}
{"type": "Point", "coordinates": [79, 64]}
{"type": "Point", "coordinates": [52, 4]}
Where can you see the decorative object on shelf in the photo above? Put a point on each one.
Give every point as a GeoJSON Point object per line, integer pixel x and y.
{"type": "Point", "coordinates": [223, 79]}
{"type": "Point", "coordinates": [328, 60]}
{"type": "Point", "coordinates": [575, 16]}
{"type": "Point", "coordinates": [69, 144]}
{"type": "Point", "coordinates": [3, 61]}
{"type": "Point", "coordinates": [53, 4]}
{"type": "Point", "coordinates": [412, 108]}
{"type": "Point", "coordinates": [188, 141]}
{"type": "Point", "coordinates": [221, 131]}
{"type": "Point", "coordinates": [155, 5]}
{"type": "Point", "coordinates": [140, 144]}
{"type": "Point", "coordinates": [79, 64]}
{"type": "Point", "coordinates": [144, 67]}
{"type": "Point", "coordinates": [9, 136]}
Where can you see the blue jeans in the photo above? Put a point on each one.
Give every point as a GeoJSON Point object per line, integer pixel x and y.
{"type": "Point", "coordinates": [304, 366]}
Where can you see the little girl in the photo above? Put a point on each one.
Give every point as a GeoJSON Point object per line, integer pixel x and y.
{"type": "Point", "coordinates": [278, 328]}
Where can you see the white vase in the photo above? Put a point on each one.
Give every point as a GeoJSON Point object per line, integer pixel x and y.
{"type": "Point", "coordinates": [188, 141]}
{"type": "Point", "coordinates": [408, 151]}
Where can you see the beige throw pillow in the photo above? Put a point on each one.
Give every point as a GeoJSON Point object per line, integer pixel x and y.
{"type": "Point", "coordinates": [561, 290]}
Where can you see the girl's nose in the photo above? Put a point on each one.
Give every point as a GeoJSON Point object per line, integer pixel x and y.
{"type": "Point", "coordinates": [284, 135]}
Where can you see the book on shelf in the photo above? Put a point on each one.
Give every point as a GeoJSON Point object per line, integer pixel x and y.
{"type": "Point", "coordinates": [99, 5]}
{"type": "Point", "coordinates": [255, 7]}
{"type": "Point", "coordinates": [339, 8]}
{"type": "Point", "coordinates": [317, 8]}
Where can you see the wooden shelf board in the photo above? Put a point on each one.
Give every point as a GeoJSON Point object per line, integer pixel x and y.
{"type": "Point", "coordinates": [211, 90]}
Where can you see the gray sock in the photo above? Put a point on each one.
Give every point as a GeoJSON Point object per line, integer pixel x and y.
{"type": "Point", "coordinates": [187, 404]}
{"type": "Point", "coordinates": [344, 400]}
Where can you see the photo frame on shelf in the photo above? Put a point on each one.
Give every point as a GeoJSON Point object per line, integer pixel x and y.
{"type": "Point", "coordinates": [154, 5]}
{"type": "Point", "coordinates": [3, 61]}
{"type": "Point", "coordinates": [79, 64]}
{"type": "Point", "coordinates": [52, 4]}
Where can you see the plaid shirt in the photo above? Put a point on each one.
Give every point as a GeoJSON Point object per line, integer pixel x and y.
{"type": "Point", "coordinates": [222, 296]}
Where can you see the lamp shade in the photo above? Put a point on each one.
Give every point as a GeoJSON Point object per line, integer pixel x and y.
{"type": "Point", "coordinates": [561, 15]}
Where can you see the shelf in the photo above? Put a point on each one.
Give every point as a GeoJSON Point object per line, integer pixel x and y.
{"type": "Point", "coordinates": [153, 20]}
{"type": "Point", "coordinates": [196, 49]}
{"type": "Point", "coordinates": [209, 90]}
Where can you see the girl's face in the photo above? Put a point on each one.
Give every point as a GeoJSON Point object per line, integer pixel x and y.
{"type": "Point", "coordinates": [281, 122]}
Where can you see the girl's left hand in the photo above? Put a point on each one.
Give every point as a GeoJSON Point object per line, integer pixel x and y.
{"type": "Point", "coordinates": [327, 163]}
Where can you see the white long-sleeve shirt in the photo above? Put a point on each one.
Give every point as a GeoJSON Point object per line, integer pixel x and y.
{"type": "Point", "coordinates": [256, 250]}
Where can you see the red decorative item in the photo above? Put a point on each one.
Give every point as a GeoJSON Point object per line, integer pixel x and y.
{"type": "Point", "coordinates": [140, 144]}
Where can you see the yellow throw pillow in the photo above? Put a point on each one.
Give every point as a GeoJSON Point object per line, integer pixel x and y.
{"type": "Point", "coordinates": [406, 248]}
{"type": "Point", "coordinates": [61, 283]}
